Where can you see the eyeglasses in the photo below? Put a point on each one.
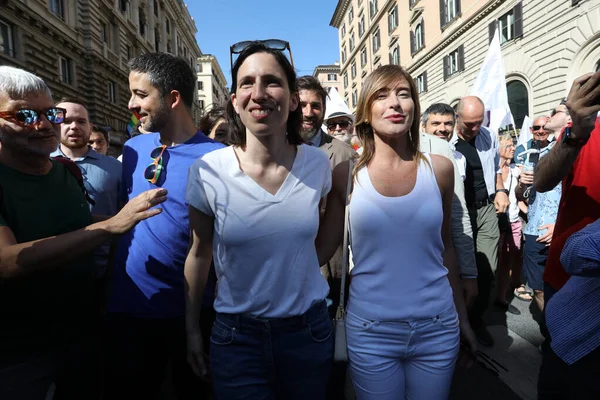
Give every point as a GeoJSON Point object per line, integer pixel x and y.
{"type": "Point", "coordinates": [152, 171]}
{"type": "Point", "coordinates": [342, 124]}
{"type": "Point", "coordinates": [26, 117]}
{"type": "Point", "coordinates": [273, 44]}
{"type": "Point", "coordinates": [554, 112]}
{"type": "Point", "coordinates": [538, 127]}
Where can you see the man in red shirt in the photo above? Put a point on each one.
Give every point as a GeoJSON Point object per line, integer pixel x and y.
{"type": "Point", "coordinates": [574, 160]}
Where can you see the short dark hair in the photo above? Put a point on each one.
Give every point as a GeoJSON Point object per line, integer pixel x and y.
{"type": "Point", "coordinates": [73, 100]}
{"type": "Point", "coordinates": [438, 108]}
{"type": "Point", "coordinates": [210, 118]}
{"type": "Point", "coordinates": [308, 82]}
{"type": "Point", "coordinates": [167, 72]}
{"type": "Point", "coordinates": [100, 130]}
{"type": "Point", "coordinates": [237, 130]}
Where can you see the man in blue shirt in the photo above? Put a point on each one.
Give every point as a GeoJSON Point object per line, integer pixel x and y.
{"type": "Point", "coordinates": [101, 174]}
{"type": "Point", "coordinates": [146, 327]}
{"type": "Point", "coordinates": [573, 314]}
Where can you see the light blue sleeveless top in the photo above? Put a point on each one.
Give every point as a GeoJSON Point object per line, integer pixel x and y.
{"type": "Point", "coordinates": [397, 249]}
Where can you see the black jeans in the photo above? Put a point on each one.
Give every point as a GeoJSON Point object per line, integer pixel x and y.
{"type": "Point", "coordinates": [140, 352]}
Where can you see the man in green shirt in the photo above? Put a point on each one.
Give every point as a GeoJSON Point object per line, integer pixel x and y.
{"type": "Point", "coordinates": [47, 237]}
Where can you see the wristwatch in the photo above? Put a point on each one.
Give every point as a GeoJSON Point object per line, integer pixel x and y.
{"type": "Point", "coordinates": [569, 140]}
{"type": "Point", "coordinates": [503, 191]}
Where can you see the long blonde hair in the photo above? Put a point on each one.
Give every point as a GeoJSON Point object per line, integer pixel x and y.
{"type": "Point", "coordinates": [382, 77]}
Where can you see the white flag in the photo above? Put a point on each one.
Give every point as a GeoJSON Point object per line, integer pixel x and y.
{"type": "Point", "coordinates": [490, 87]}
{"type": "Point", "coordinates": [525, 134]}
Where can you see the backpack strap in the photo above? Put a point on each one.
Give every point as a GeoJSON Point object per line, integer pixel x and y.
{"type": "Point", "coordinates": [76, 172]}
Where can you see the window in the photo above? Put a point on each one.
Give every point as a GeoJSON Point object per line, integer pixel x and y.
{"type": "Point", "coordinates": [376, 41]}
{"type": "Point", "coordinates": [354, 98]}
{"type": "Point", "coordinates": [202, 104]}
{"type": "Point", "coordinates": [168, 25]}
{"type": "Point", "coordinates": [421, 82]}
{"type": "Point", "coordinates": [395, 56]}
{"type": "Point", "coordinates": [417, 38]}
{"type": "Point", "coordinates": [598, 66]}
{"type": "Point", "coordinates": [66, 70]}
{"type": "Point", "coordinates": [6, 40]}
{"type": "Point", "coordinates": [156, 39]}
{"type": "Point", "coordinates": [104, 33]}
{"type": "Point", "coordinates": [393, 19]}
{"type": "Point", "coordinates": [331, 77]}
{"type": "Point", "coordinates": [351, 41]}
{"type": "Point", "coordinates": [411, 3]}
{"type": "Point", "coordinates": [361, 26]}
{"type": "Point", "coordinates": [510, 25]}
{"type": "Point", "coordinates": [156, 7]}
{"type": "Point", "coordinates": [372, 8]}
{"type": "Point", "coordinates": [449, 10]}
{"type": "Point", "coordinates": [353, 70]}
{"type": "Point", "coordinates": [57, 7]}
{"type": "Point", "coordinates": [363, 57]}
{"type": "Point", "coordinates": [112, 92]}
{"type": "Point", "coordinates": [142, 21]}
{"type": "Point", "coordinates": [454, 62]}
{"type": "Point", "coordinates": [350, 15]}
{"type": "Point", "coordinates": [343, 54]}
{"type": "Point", "coordinates": [345, 79]}
{"type": "Point", "coordinates": [518, 100]}
{"type": "Point", "coordinates": [343, 30]}
{"type": "Point", "coordinates": [199, 67]}
{"type": "Point", "coordinates": [123, 5]}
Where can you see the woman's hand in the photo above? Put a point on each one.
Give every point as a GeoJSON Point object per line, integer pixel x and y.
{"type": "Point", "coordinates": [196, 356]}
{"type": "Point", "coordinates": [468, 346]}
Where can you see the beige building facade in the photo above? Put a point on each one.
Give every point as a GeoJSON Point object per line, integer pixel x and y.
{"type": "Point", "coordinates": [212, 85]}
{"type": "Point", "coordinates": [81, 48]}
{"type": "Point", "coordinates": [329, 76]}
{"type": "Point", "coordinates": [545, 44]}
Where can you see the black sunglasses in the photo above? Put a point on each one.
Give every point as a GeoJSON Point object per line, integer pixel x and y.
{"type": "Point", "coordinates": [273, 44]}
{"type": "Point", "coordinates": [152, 171]}
{"type": "Point", "coordinates": [342, 124]}
{"type": "Point", "coordinates": [554, 112]}
{"type": "Point", "coordinates": [537, 127]}
{"type": "Point", "coordinates": [25, 117]}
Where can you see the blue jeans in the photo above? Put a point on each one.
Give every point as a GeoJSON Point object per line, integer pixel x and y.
{"type": "Point", "coordinates": [392, 360]}
{"type": "Point", "coordinates": [279, 358]}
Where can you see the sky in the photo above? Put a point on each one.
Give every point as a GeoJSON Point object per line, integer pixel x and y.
{"type": "Point", "coordinates": [305, 24]}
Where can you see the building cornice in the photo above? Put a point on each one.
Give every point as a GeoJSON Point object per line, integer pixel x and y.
{"type": "Point", "coordinates": [458, 32]}
{"type": "Point", "coordinates": [339, 12]}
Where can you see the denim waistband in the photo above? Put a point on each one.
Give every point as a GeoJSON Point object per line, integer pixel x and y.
{"type": "Point", "coordinates": [241, 321]}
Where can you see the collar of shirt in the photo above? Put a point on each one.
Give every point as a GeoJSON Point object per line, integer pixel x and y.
{"type": "Point", "coordinates": [316, 140]}
{"type": "Point", "coordinates": [91, 154]}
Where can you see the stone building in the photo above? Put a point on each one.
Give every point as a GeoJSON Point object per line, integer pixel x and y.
{"type": "Point", "coordinates": [546, 44]}
{"type": "Point", "coordinates": [212, 85]}
{"type": "Point", "coordinates": [81, 48]}
{"type": "Point", "coordinates": [329, 76]}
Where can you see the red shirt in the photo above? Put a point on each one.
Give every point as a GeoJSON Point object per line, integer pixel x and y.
{"type": "Point", "coordinates": [579, 205]}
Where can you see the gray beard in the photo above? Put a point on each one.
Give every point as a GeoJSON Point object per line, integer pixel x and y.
{"type": "Point", "coordinates": [308, 135]}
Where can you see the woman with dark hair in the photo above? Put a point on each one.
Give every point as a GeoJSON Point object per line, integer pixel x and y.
{"type": "Point", "coordinates": [402, 323]}
{"type": "Point", "coordinates": [214, 124]}
{"type": "Point", "coordinates": [254, 206]}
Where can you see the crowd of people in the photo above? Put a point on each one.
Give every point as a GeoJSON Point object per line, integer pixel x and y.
{"type": "Point", "coordinates": [210, 257]}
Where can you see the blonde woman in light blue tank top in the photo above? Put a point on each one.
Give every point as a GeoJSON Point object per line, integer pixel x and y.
{"type": "Point", "coordinates": [405, 313]}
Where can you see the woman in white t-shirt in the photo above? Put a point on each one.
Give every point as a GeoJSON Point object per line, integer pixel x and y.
{"type": "Point", "coordinates": [254, 207]}
{"type": "Point", "coordinates": [510, 254]}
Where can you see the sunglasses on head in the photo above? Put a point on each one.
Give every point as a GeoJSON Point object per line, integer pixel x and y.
{"type": "Point", "coordinates": [273, 44]}
{"type": "Point", "coordinates": [152, 171]}
{"type": "Point", "coordinates": [342, 124]}
{"type": "Point", "coordinates": [26, 117]}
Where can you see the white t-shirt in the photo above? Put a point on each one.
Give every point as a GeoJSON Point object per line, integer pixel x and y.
{"type": "Point", "coordinates": [511, 185]}
{"type": "Point", "coordinates": [263, 244]}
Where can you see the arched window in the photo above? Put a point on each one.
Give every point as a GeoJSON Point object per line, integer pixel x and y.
{"type": "Point", "coordinates": [518, 101]}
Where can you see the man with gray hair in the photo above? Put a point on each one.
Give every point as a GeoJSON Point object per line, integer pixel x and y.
{"type": "Point", "coordinates": [47, 239]}
{"type": "Point", "coordinates": [437, 126]}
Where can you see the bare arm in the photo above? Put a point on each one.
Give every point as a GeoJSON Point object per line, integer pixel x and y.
{"type": "Point", "coordinates": [552, 168]}
{"type": "Point", "coordinates": [445, 178]}
{"type": "Point", "coordinates": [18, 259]}
{"type": "Point", "coordinates": [331, 226]}
{"type": "Point", "coordinates": [196, 268]}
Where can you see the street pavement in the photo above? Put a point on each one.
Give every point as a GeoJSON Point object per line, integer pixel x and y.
{"type": "Point", "coordinates": [516, 349]}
